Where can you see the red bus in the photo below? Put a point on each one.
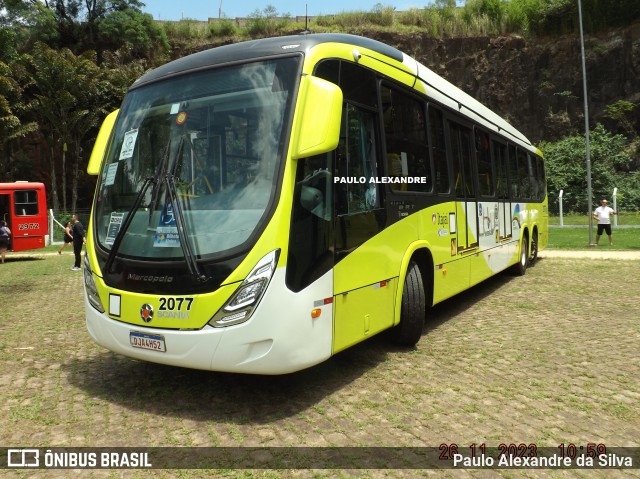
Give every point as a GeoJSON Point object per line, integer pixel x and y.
{"type": "Point", "coordinates": [23, 205]}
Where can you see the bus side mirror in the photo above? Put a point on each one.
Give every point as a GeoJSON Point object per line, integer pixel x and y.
{"type": "Point", "coordinates": [316, 126]}
{"type": "Point", "coordinates": [100, 146]}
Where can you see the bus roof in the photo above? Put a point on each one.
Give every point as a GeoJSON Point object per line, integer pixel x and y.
{"type": "Point", "coordinates": [21, 185]}
{"type": "Point", "coordinates": [436, 87]}
{"type": "Point", "coordinates": [261, 48]}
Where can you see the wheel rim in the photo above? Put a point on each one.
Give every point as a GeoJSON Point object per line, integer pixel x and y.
{"type": "Point", "coordinates": [534, 247]}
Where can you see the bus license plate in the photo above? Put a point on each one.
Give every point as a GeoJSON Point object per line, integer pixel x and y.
{"type": "Point", "coordinates": [152, 342]}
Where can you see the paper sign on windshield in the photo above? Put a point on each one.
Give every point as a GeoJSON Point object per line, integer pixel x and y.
{"type": "Point", "coordinates": [129, 144]}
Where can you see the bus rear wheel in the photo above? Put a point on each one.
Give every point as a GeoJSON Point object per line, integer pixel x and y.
{"type": "Point", "coordinates": [413, 310]}
{"type": "Point", "coordinates": [533, 255]}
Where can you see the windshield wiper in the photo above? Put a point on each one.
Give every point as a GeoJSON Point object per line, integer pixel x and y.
{"type": "Point", "coordinates": [160, 173]}
{"type": "Point", "coordinates": [155, 179]}
{"type": "Point", "coordinates": [170, 181]}
{"type": "Point", "coordinates": [192, 262]}
{"type": "Point", "coordinates": [161, 178]}
{"type": "Point", "coordinates": [128, 219]}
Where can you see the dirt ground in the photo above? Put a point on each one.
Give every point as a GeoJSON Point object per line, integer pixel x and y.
{"type": "Point", "coordinates": [548, 359]}
{"type": "Point", "coordinates": [600, 252]}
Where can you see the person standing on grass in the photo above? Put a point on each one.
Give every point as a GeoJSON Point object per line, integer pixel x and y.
{"type": "Point", "coordinates": [68, 237]}
{"type": "Point", "coordinates": [603, 215]}
{"type": "Point", "coordinates": [78, 233]}
{"type": "Point", "coordinates": [5, 239]}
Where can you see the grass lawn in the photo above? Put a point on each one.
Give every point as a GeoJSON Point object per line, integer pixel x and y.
{"type": "Point", "coordinates": [626, 236]}
{"type": "Point", "coordinates": [578, 238]}
{"type": "Point", "coordinates": [624, 218]}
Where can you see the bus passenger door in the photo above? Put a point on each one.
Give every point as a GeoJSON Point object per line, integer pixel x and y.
{"type": "Point", "coordinates": [5, 211]}
{"type": "Point", "coordinates": [499, 151]}
{"type": "Point", "coordinates": [465, 188]}
{"type": "Point", "coordinates": [363, 284]}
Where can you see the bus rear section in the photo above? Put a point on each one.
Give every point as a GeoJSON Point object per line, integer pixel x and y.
{"type": "Point", "coordinates": [23, 205]}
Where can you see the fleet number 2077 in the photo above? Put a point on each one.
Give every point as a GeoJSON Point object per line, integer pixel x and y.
{"type": "Point", "coordinates": [173, 304]}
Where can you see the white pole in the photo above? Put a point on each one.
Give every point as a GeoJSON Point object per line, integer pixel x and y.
{"type": "Point", "coordinates": [52, 220]}
{"type": "Point", "coordinates": [50, 226]}
{"type": "Point", "coordinates": [586, 128]}
{"type": "Point", "coordinates": [615, 206]}
{"type": "Point", "coordinates": [560, 201]}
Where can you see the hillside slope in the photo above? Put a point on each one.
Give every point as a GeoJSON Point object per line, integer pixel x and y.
{"type": "Point", "coordinates": [537, 84]}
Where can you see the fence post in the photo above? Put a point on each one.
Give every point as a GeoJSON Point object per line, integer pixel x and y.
{"type": "Point", "coordinates": [560, 205]}
{"type": "Point", "coordinates": [50, 226]}
{"type": "Point", "coordinates": [615, 206]}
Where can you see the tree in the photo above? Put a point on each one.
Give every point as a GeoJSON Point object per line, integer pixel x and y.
{"type": "Point", "coordinates": [99, 10]}
{"type": "Point", "coordinates": [100, 92]}
{"type": "Point", "coordinates": [621, 111]}
{"type": "Point", "coordinates": [611, 167]}
{"type": "Point", "coordinates": [79, 25]}
{"type": "Point", "coordinates": [30, 21]}
{"type": "Point", "coordinates": [72, 96]}
{"type": "Point", "coordinates": [136, 33]}
{"type": "Point", "coordinates": [14, 106]}
{"type": "Point", "coordinates": [57, 76]}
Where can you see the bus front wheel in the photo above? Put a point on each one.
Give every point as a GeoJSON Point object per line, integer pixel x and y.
{"type": "Point", "coordinates": [412, 314]}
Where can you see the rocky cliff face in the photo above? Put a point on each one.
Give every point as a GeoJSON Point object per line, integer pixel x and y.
{"type": "Point", "coordinates": [536, 84]}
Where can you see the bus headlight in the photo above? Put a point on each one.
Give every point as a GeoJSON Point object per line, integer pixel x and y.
{"type": "Point", "coordinates": [241, 305]}
{"type": "Point", "coordinates": [90, 287]}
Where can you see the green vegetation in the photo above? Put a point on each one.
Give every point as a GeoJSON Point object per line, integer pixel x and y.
{"type": "Point", "coordinates": [578, 238]}
{"type": "Point", "coordinates": [614, 164]}
{"type": "Point", "coordinates": [575, 233]}
{"type": "Point", "coordinates": [573, 219]}
{"type": "Point", "coordinates": [65, 64]}
{"type": "Point", "coordinates": [444, 18]}
{"type": "Point", "coordinates": [62, 69]}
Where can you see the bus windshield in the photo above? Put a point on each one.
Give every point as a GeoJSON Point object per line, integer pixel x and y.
{"type": "Point", "coordinates": [192, 167]}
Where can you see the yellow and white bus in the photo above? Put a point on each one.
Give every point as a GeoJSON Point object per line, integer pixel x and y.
{"type": "Point", "coordinates": [264, 205]}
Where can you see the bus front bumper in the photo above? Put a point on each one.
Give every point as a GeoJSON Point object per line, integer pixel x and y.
{"type": "Point", "coordinates": [277, 339]}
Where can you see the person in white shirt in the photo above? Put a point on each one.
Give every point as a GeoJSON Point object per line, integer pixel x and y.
{"type": "Point", "coordinates": [603, 215]}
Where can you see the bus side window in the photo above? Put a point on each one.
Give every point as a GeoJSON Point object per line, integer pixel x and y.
{"type": "Point", "coordinates": [26, 203]}
{"type": "Point", "coordinates": [311, 234]}
{"type": "Point", "coordinates": [328, 70]}
{"type": "Point", "coordinates": [524, 185]}
{"type": "Point", "coordinates": [500, 161]}
{"type": "Point", "coordinates": [513, 174]}
{"type": "Point", "coordinates": [315, 188]}
{"type": "Point", "coordinates": [461, 153]}
{"type": "Point", "coordinates": [485, 165]}
{"type": "Point", "coordinates": [406, 139]}
{"type": "Point", "coordinates": [356, 189]}
{"type": "Point", "coordinates": [438, 150]}
{"type": "Point", "coordinates": [540, 178]}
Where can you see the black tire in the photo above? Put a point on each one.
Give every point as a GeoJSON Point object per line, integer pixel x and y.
{"type": "Point", "coordinates": [412, 315]}
{"type": "Point", "coordinates": [520, 268]}
{"type": "Point", "coordinates": [533, 254]}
